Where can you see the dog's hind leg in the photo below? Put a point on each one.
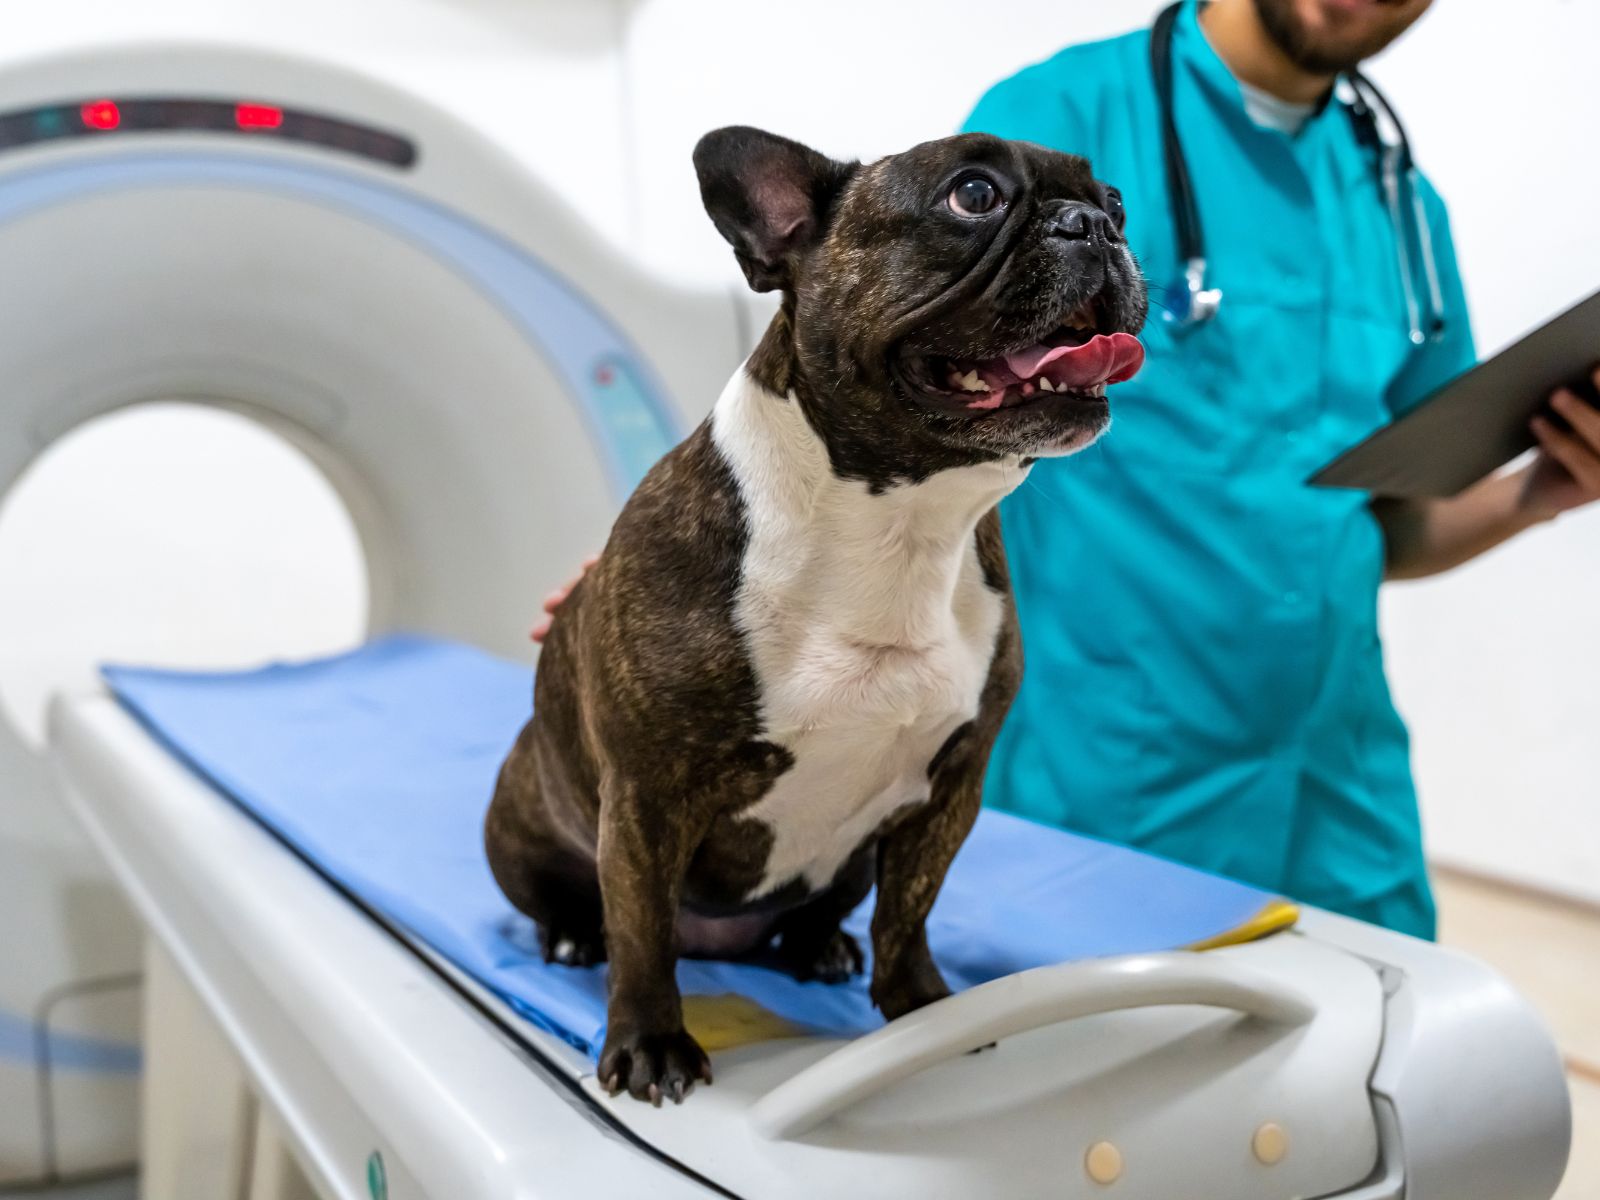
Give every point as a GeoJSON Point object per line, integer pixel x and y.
{"type": "Point", "coordinates": [811, 945]}
{"type": "Point", "coordinates": [565, 906]}
{"type": "Point", "coordinates": [541, 875]}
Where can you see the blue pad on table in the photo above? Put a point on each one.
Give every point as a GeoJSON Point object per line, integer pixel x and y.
{"type": "Point", "coordinates": [378, 765]}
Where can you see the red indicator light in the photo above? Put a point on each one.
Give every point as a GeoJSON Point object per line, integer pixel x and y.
{"type": "Point", "coordinates": [257, 116]}
{"type": "Point", "coordinates": [603, 375]}
{"type": "Point", "coordinates": [101, 114]}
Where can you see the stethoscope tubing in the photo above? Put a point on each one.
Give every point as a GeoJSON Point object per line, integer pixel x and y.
{"type": "Point", "coordinates": [1397, 184]}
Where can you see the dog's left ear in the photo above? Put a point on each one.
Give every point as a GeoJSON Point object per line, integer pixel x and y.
{"type": "Point", "coordinates": [769, 196]}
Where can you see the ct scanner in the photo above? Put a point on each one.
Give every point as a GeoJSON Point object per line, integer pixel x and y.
{"type": "Point", "coordinates": [483, 380]}
{"type": "Point", "coordinates": [386, 289]}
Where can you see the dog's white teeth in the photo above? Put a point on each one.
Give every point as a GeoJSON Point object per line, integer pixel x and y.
{"type": "Point", "coordinates": [1045, 385]}
{"type": "Point", "coordinates": [971, 383]}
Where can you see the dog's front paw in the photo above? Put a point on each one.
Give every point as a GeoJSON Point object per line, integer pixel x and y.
{"type": "Point", "coordinates": [653, 1065]}
{"type": "Point", "coordinates": [833, 959]}
{"type": "Point", "coordinates": [897, 996]}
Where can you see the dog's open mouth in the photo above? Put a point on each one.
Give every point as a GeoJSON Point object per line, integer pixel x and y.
{"type": "Point", "coordinates": [1073, 359]}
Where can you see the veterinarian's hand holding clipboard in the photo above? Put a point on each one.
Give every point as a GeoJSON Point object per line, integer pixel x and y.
{"type": "Point", "coordinates": [1544, 390]}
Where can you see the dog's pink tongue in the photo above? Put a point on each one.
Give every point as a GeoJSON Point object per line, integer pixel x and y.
{"type": "Point", "coordinates": [1104, 358]}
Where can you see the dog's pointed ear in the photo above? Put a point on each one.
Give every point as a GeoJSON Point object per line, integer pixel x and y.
{"type": "Point", "coordinates": [769, 196]}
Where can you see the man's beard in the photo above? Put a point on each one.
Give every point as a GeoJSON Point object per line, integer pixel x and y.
{"type": "Point", "coordinates": [1285, 28]}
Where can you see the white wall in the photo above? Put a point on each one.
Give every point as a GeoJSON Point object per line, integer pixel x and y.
{"type": "Point", "coordinates": [1494, 665]}
{"type": "Point", "coordinates": [1497, 666]}
{"type": "Point", "coordinates": [855, 78]}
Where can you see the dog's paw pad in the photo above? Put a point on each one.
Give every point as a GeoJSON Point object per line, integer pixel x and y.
{"type": "Point", "coordinates": [653, 1067]}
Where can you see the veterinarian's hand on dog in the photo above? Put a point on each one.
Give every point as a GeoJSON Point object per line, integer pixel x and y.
{"type": "Point", "coordinates": [1566, 474]}
{"type": "Point", "coordinates": [554, 600]}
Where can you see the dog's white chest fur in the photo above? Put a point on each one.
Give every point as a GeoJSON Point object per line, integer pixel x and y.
{"type": "Point", "coordinates": [868, 621]}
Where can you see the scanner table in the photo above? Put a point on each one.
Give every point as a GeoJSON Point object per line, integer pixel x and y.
{"type": "Point", "coordinates": [337, 1006]}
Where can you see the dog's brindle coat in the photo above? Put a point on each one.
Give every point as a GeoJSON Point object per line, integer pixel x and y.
{"type": "Point", "coordinates": [782, 680]}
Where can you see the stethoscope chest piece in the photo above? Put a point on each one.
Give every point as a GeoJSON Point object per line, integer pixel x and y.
{"type": "Point", "coordinates": [1191, 302]}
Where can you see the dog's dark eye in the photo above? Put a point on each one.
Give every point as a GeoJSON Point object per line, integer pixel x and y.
{"type": "Point", "coordinates": [974, 196]}
{"type": "Point", "coordinates": [1114, 209]}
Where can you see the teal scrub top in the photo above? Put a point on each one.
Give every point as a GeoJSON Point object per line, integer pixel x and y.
{"type": "Point", "coordinates": [1204, 676]}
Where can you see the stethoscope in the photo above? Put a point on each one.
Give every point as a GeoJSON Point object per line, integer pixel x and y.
{"type": "Point", "coordinates": [1193, 302]}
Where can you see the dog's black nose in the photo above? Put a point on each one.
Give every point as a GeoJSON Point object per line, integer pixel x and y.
{"type": "Point", "coordinates": [1084, 222]}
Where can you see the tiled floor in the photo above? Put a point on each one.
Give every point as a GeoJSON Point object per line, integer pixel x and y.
{"type": "Point", "coordinates": [122, 1188]}
{"type": "Point", "coordinates": [1552, 954]}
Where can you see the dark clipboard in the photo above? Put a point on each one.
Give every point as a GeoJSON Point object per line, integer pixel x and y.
{"type": "Point", "coordinates": [1478, 422]}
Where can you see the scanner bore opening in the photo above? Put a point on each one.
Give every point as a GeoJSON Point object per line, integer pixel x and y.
{"type": "Point", "coordinates": [170, 533]}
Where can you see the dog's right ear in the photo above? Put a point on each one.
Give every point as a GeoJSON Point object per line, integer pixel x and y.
{"type": "Point", "coordinates": [769, 196]}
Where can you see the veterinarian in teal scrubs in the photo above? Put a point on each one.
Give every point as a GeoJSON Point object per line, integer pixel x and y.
{"type": "Point", "coordinates": [1204, 676]}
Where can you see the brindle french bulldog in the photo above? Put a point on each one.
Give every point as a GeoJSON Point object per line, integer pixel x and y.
{"type": "Point", "coordinates": [781, 682]}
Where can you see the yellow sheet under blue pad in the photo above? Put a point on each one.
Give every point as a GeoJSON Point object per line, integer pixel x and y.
{"type": "Point", "coordinates": [377, 767]}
